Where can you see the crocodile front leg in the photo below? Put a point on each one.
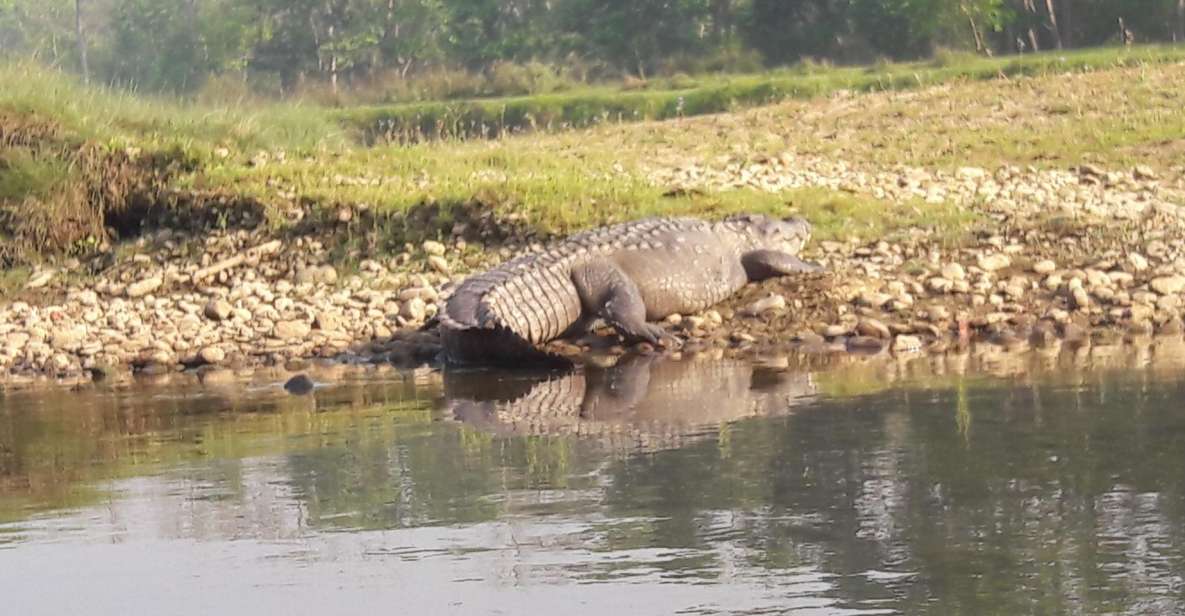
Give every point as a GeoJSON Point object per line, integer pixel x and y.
{"type": "Point", "coordinates": [607, 292]}
{"type": "Point", "coordinates": [762, 264]}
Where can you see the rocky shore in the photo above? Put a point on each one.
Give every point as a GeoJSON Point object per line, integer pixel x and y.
{"type": "Point", "coordinates": [1080, 256]}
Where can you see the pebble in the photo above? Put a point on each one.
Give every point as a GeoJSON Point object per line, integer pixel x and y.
{"type": "Point", "coordinates": [290, 304]}
{"type": "Point", "coordinates": [218, 310]}
{"type": "Point", "coordinates": [212, 355]}
{"type": "Point", "coordinates": [954, 272]}
{"type": "Point", "coordinates": [287, 330]}
{"type": "Point", "coordinates": [770, 303]}
{"type": "Point", "coordinates": [144, 287]}
{"type": "Point", "coordinates": [865, 343]}
{"type": "Point", "coordinates": [299, 385]}
{"type": "Point", "coordinates": [1044, 267]}
{"type": "Point", "coordinates": [414, 309]}
{"type": "Point", "coordinates": [1168, 285]}
{"type": "Point", "coordinates": [41, 279]}
{"type": "Point", "coordinates": [873, 328]}
{"type": "Point", "coordinates": [994, 262]}
{"type": "Point", "coordinates": [905, 344]}
{"type": "Point", "coordinates": [1137, 261]}
{"type": "Point", "coordinates": [439, 264]}
{"type": "Point", "coordinates": [835, 331]}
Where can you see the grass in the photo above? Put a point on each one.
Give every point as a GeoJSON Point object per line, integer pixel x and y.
{"type": "Point", "coordinates": [27, 175]}
{"type": "Point", "coordinates": [708, 94]}
{"type": "Point", "coordinates": [123, 119]}
{"type": "Point", "coordinates": [1116, 107]}
{"type": "Point", "coordinates": [558, 184]}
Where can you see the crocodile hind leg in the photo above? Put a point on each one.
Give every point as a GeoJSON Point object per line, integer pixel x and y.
{"type": "Point", "coordinates": [762, 264]}
{"type": "Point", "coordinates": [607, 292]}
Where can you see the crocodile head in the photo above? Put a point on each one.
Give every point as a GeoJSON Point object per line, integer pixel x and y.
{"type": "Point", "coordinates": [760, 232]}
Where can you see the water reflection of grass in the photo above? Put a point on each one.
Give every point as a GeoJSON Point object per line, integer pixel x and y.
{"type": "Point", "coordinates": [359, 458]}
{"type": "Point", "coordinates": [57, 456]}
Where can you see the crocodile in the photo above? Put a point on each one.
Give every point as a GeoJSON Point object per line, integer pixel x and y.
{"type": "Point", "coordinates": [628, 275]}
{"type": "Point", "coordinates": [642, 399]}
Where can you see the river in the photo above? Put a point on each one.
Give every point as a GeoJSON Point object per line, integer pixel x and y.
{"type": "Point", "coordinates": [981, 483]}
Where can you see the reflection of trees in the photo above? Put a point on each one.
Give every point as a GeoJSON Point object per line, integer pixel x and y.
{"type": "Point", "coordinates": [1064, 506]}
{"type": "Point", "coordinates": [447, 475]}
{"type": "Point", "coordinates": [1061, 493]}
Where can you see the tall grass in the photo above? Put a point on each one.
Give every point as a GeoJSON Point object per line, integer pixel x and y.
{"type": "Point", "coordinates": [123, 118]}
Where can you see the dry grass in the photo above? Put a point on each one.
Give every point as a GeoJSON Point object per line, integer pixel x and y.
{"type": "Point", "coordinates": [1118, 118]}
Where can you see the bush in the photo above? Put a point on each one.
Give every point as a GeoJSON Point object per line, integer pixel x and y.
{"type": "Point", "coordinates": [810, 66]}
{"type": "Point", "coordinates": [437, 83]}
{"type": "Point", "coordinates": [511, 79]}
{"type": "Point", "coordinates": [945, 57]}
{"type": "Point", "coordinates": [730, 59]}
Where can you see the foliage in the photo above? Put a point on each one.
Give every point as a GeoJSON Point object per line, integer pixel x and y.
{"type": "Point", "coordinates": [521, 46]}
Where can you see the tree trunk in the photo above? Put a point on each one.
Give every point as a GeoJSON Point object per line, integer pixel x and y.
{"type": "Point", "coordinates": [332, 61]}
{"type": "Point", "coordinates": [1057, 35]}
{"type": "Point", "coordinates": [1067, 22]}
{"type": "Point", "coordinates": [80, 39]}
{"type": "Point", "coordinates": [1180, 21]}
{"type": "Point", "coordinates": [1032, 34]}
{"type": "Point", "coordinates": [979, 46]}
{"type": "Point", "coordinates": [721, 20]}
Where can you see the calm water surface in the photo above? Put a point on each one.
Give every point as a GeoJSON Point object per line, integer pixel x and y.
{"type": "Point", "coordinates": [977, 484]}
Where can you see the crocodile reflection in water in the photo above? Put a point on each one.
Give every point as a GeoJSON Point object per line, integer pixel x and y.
{"type": "Point", "coordinates": [641, 396]}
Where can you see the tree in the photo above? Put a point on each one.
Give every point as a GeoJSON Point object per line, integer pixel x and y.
{"type": "Point", "coordinates": [412, 34]}
{"type": "Point", "coordinates": [80, 38]}
{"type": "Point", "coordinates": [633, 35]}
{"type": "Point", "coordinates": [984, 17]}
{"type": "Point", "coordinates": [41, 29]}
{"type": "Point", "coordinates": [785, 31]}
{"type": "Point", "coordinates": [1180, 21]}
{"type": "Point", "coordinates": [906, 28]}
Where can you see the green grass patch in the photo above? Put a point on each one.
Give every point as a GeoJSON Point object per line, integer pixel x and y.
{"type": "Point", "coordinates": [24, 174]}
{"type": "Point", "coordinates": [556, 188]}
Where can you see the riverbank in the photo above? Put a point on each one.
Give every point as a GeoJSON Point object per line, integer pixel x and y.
{"type": "Point", "coordinates": [1107, 263]}
{"type": "Point", "coordinates": [1011, 221]}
